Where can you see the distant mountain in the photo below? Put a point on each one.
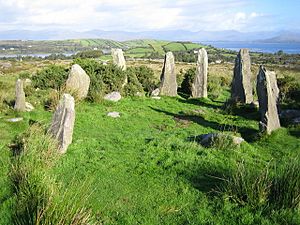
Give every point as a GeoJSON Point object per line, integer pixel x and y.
{"type": "Point", "coordinates": [284, 37]}
{"type": "Point", "coordinates": [171, 35]}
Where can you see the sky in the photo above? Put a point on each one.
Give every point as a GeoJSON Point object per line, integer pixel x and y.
{"type": "Point", "coordinates": [150, 15]}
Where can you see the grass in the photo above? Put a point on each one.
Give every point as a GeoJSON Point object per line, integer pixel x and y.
{"type": "Point", "coordinates": [147, 168]}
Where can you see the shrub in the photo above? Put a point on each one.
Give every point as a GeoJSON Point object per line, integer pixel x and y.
{"type": "Point", "coordinates": [39, 198]}
{"type": "Point", "coordinates": [146, 77]}
{"type": "Point", "coordinates": [288, 86]}
{"type": "Point", "coordinates": [104, 78]}
{"type": "Point", "coordinates": [89, 54]}
{"type": "Point", "coordinates": [133, 87]}
{"type": "Point", "coordinates": [188, 79]}
{"type": "Point", "coordinates": [51, 77]}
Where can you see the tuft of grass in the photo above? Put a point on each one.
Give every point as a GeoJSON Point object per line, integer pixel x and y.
{"type": "Point", "coordinates": [39, 198]}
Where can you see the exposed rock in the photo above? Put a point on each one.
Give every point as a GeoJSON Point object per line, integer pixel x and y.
{"type": "Point", "coordinates": [139, 94]}
{"type": "Point", "coordinates": [118, 58]}
{"type": "Point", "coordinates": [268, 93]}
{"type": "Point", "coordinates": [168, 86]}
{"type": "Point", "coordinates": [210, 139]}
{"type": "Point", "coordinates": [289, 114]}
{"type": "Point", "coordinates": [28, 107]}
{"type": "Point", "coordinates": [5, 65]}
{"type": "Point", "coordinates": [241, 87]}
{"type": "Point", "coordinates": [155, 92]}
{"type": "Point", "coordinates": [14, 120]}
{"type": "Point", "coordinates": [20, 104]}
{"type": "Point", "coordinates": [114, 96]}
{"type": "Point", "coordinates": [63, 122]}
{"type": "Point", "coordinates": [78, 82]}
{"type": "Point", "coordinates": [199, 86]}
{"type": "Point", "coordinates": [113, 114]}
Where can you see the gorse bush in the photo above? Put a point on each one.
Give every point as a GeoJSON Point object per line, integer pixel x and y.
{"type": "Point", "coordinates": [289, 88]}
{"type": "Point", "coordinates": [39, 198]}
{"type": "Point", "coordinates": [146, 77]}
{"type": "Point", "coordinates": [133, 87]}
{"type": "Point", "coordinates": [104, 78]}
{"type": "Point", "coordinates": [50, 77]}
{"type": "Point", "coordinates": [188, 79]}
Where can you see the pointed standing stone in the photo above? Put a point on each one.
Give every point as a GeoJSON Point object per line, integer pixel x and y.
{"type": "Point", "coordinates": [78, 81]}
{"type": "Point", "coordinates": [20, 104]}
{"type": "Point", "coordinates": [199, 86]}
{"type": "Point", "coordinates": [168, 86]}
{"type": "Point", "coordinates": [241, 87]}
{"type": "Point", "coordinates": [118, 58]}
{"type": "Point", "coordinates": [63, 122]}
{"type": "Point", "coordinates": [268, 93]}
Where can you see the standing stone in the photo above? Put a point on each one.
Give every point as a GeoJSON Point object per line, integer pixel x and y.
{"type": "Point", "coordinates": [118, 58]}
{"type": "Point", "coordinates": [20, 104]}
{"type": "Point", "coordinates": [241, 87]}
{"type": "Point", "coordinates": [199, 86]}
{"type": "Point", "coordinates": [63, 122]}
{"type": "Point", "coordinates": [268, 93]}
{"type": "Point", "coordinates": [119, 61]}
{"type": "Point", "coordinates": [168, 86]}
{"type": "Point", "coordinates": [78, 82]}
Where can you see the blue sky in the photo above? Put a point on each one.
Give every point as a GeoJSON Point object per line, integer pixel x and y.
{"type": "Point", "coordinates": [144, 15]}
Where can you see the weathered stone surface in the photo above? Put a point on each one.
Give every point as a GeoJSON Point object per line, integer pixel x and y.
{"type": "Point", "coordinates": [5, 65]}
{"type": "Point", "coordinates": [114, 96]}
{"type": "Point", "coordinates": [241, 87]}
{"type": "Point", "coordinates": [118, 58]}
{"type": "Point", "coordinates": [209, 140]}
{"type": "Point", "coordinates": [27, 82]}
{"type": "Point", "coordinates": [168, 86]}
{"type": "Point", "coordinates": [28, 107]}
{"type": "Point", "coordinates": [63, 122]}
{"type": "Point", "coordinates": [199, 86]}
{"type": "Point", "coordinates": [78, 82]}
{"type": "Point", "coordinates": [254, 105]}
{"type": "Point", "coordinates": [20, 97]}
{"type": "Point", "coordinates": [113, 114]}
{"type": "Point", "coordinates": [155, 92]}
{"type": "Point", "coordinates": [268, 93]}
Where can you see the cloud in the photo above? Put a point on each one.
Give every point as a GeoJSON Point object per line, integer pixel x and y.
{"type": "Point", "coordinates": [128, 15]}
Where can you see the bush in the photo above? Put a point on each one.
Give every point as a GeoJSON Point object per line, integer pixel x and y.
{"type": "Point", "coordinates": [51, 77]}
{"type": "Point", "coordinates": [186, 85]}
{"type": "Point", "coordinates": [39, 198]}
{"type": "Point", "coordinates": [288, 86]}
{"type": "Point", "coordinates": [133, 87]}
{"type": "Point", "coordinates": [89, 54]}
{"type": "Point", "coordinates": [146, 78]}
{"type": "Point", "coordinates": [104, 78]}
{"type": "Point", "coordinates": [214, 87]}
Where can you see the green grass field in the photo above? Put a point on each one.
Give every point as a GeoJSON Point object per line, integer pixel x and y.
{"type": "Point", "coordinates": [146, 167]}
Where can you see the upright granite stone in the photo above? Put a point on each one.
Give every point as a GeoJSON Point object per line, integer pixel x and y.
{"type": "Point", "coordinates": [20, 104]}
{"type": "Point", "coordinates": [168, 86]}
{"type": "Point", "coordinates": [199, 86]}
{"type": "Point", "coordinates": [63, 122]}
{"type": "Point", "coordinates": [241, 87]}
{"type": "Point", "coordinates": [268, 93]}
{"type": "Point", "coordinates": [78, 82]}
{"type": "Point", "coordinates": [118, 58]}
